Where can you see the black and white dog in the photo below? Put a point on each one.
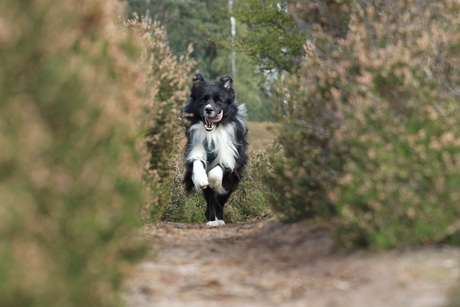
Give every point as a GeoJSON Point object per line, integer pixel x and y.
{"type": "Point", "coordinates": [215, 154]}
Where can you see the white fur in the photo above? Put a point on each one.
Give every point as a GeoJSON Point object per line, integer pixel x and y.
{"type": "Point", "coordinates": [223, 138]}
{"type": "Point", "coordinates": [198, 152]}
{"type": "Point", "coordinates": [199, 177]}
{"type": "Point", "coordinates": [215, 223]}
{"type": "Point", "coordinates": [215, 179]}
{"type": "Point", "coordinates": [242, 115]}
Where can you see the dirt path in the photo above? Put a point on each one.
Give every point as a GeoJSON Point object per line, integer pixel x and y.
{"type": "Point", "coordinates": [266, 263]}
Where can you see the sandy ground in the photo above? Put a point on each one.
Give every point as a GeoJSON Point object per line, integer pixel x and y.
{"type": "Point", "coordinates": [267, 263]}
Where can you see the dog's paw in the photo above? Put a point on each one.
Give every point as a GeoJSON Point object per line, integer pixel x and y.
{"type": "Point", "coordinates": [215, 223]}
{"type": "Point", "coordinates": [200, 180]}
{"type": "Point", "coordinates": [215, 179]}
{"type": "Point", "coordinates": [199, 177]}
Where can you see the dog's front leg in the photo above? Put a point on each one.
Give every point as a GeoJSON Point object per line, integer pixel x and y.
{"type": "Point", "coordinates": [199, 177]}
{"type": "Point", "coordinates": [216, 176]}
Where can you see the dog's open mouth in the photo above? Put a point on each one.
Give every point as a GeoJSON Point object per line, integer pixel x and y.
{"type": "Point", "coordinates": [210, 122]}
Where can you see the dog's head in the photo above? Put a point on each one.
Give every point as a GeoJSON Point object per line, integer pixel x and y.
{"type": "Point", "coordinates": [211, 102]}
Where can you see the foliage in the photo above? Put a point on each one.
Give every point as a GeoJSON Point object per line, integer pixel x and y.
{"type": "Point", "coordinates": [183, 207]}
{"type": "Point", "coordinates": [248, 84]}
{"type": "Point", "coordinates": [371, 126]}
{"type": "Point", "coordinates": [183, 22]}
{"type": "Point", "coordinates": [69, 174]}
{"type": "Point", "coordinates": [311, 161]}
{"type": "Point", "coordinates": [273, 33]}
{"type": "Point", "coordinates": [251, 199]}
{"type": "Point", "coordinates": [400, 179]}
{"type": "Point", "coordinates": [167, 88]}
{"type": "Point", "coordinates": [273, 39]}
{"type": "Point", "coordinates": [194, 23]}
{"type": "Point", "coordinates": [277, 30]}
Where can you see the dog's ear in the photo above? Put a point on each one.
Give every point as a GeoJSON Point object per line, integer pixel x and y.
{"type": "Point", "coordinates": [198, 79]}
{"type": "Point", "coordinates": [226, 82]}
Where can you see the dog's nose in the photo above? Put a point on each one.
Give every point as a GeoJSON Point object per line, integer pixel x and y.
{"type": "Point", "coordinates": [208, 110]}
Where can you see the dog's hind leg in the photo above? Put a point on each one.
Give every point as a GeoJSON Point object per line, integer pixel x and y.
{"type": "Point", "coordinates": [222, 200]}
{"type": "Point", "coordinates": [214, 211]}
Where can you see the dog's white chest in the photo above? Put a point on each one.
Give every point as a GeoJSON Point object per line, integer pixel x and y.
{"type": "Point", "coordinates": [214, 147]}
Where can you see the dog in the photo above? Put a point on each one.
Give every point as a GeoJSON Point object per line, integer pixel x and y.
{"type": "Point", "coordinates": [216, 150]}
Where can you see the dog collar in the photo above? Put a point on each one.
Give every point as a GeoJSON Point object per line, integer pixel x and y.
{"type": "Point", "coordinates": [211, 153]}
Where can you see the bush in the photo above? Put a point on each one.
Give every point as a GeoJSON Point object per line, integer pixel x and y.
{"type": "Point", "coordinates": [69, 187]}
{"type": "Point", "coordinates": [400, 181]}
{"type": "Point", "coordinates": [167, 88]}
{"type": "Point", "coordinates": [311, 161]}
{"type": "Point", "coordinates": [371, 126]}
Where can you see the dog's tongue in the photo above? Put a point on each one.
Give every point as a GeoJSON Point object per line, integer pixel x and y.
{"type": "Point", "coordinates": [216, 118]}
{"type": "Point", "coordinates": [209, 122]}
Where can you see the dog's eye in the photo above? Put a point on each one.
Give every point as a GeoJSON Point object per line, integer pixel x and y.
{"type": "Point", "coordinates": [205, 98]}
{"type": "Point", "coordinates": [218, 101]}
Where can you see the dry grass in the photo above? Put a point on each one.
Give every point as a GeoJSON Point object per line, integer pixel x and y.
{"type": "Point", "coordinates": [261, 135]}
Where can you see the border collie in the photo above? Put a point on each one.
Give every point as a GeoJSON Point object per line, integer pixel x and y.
{"type": "Point", "coordinates": [215, 153]}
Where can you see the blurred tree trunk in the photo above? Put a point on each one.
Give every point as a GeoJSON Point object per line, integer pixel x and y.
{"type": "Point", "coordinates": [233, 33]}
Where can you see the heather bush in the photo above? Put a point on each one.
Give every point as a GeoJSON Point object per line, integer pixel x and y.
{"type": "Point", "coordinates": [399, 184]}
{"type": "Point", "coordinates": [182, 207]}
{"type": "Point", "coordinates": [311, 161]}
{"type": "Point", "coordinates": [167, 83]}
{"type": "Point", "coordinates": [70, 187]}
{"type": "Point", "coordinates": [371, 126]}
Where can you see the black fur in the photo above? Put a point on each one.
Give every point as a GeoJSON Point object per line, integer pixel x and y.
{"type": "Point", "coordinates": [227, 135]}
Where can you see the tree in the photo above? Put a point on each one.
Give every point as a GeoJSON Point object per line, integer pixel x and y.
{"type": "Point", "coordinates": [277, 30]}
{"type": "Point", "coordinates": [273, 34]}
{"type": "Point", "coordinates": [196, 23]}
{"type": "Point", "coordinates": [184, 22]}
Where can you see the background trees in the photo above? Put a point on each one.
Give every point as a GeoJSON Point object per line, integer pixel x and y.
{"type": "Point", "coordinates": [202, 24]}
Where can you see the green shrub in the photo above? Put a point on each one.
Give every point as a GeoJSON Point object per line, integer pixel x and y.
{"type": "Point", "coordinates": [400, 181]}
{"type": "Point", "coordinates": [311, 160]}
{"type": "Point", "coordinates": [69, 188]}
{"type": "Point", "coordinates": [370, 128]}
{"type": "Point", "coordinates": [167, 82]}
{"type": "Point", "coordinates": [182, 207]}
